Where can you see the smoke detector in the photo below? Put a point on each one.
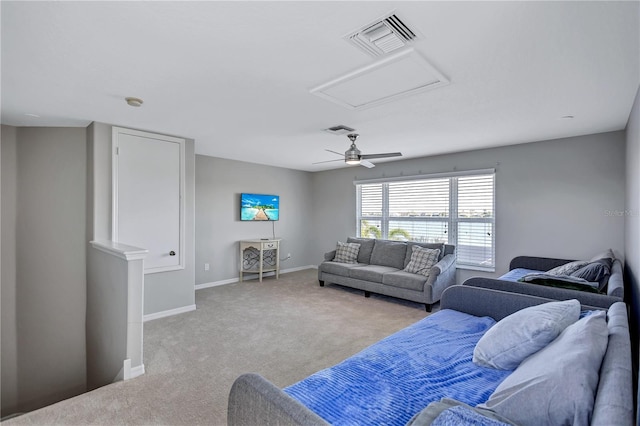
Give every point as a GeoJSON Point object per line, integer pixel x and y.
{"type": "Point", "coordinates": [134, 102]}
{"type": "Point", "coordinates": [382, 36]}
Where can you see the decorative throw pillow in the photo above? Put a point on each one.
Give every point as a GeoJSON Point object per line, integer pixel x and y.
{"type": "Point", "coordinates": [523, 333]}
{"type": "Point", "coordinates": [557, 385]}
{"type": "Point", "coordinates": [568, 268]}
{"type": "Point", "coordinates": [347, 252]}
{"type": "Point", "coordinates": [422, 260]}
{"type": "Point", "coordinates": [410, 244]}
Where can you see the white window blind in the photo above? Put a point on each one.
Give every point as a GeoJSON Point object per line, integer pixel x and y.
{"type": "Point", "coordinates": [456, 209]}
{"type": "Point", "coordinates": [475, 221]}
{"type": "Point", "coordinates": [370, 210]}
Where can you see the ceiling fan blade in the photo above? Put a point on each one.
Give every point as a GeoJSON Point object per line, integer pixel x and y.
{"type": "Point", "coordinates": [341, 154]}
{"type": "Point", "coordinates": [367, 164]}
{"type": "Point", "coordinates": [383, 155]}
{"type": "Point", "coordinates": [328, 161]}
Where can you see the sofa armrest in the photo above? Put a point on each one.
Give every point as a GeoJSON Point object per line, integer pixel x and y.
{"type": "Point", "coordinates": [615, 286]}
{"type": "Point", "coordinates": [536, 263]}
{"type": "Point", "coordinates": [614, 399]}
{"type": "Point", "coordinates": [253, 400]}
{"type": "Point", "coordinates": [330, 255]}
{"type": "Point", "coordinates": [441, 276]}
{"type": "Point", "coordinates": [555, 293]}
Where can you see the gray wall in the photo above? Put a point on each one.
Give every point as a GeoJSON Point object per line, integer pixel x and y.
{"type": "Point", "coordinates": [50, 265]}
{"type": "Point", "coordinates": [106, 322]}
{"type": "Point", "coordinates": [552, 197]}
{"type": "Point", "coordinates": [162, 291]}
{"type": "Point", "coordinates": [632, 227]}
{"type": "Point", "coordinates": [99, 196]}
{"type": "Point", "coordinates": [219, 183]}
{"type": "Point", "coordinates": [9, 343]}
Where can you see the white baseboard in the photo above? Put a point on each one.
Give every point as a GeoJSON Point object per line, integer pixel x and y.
{"type": "Point", "coordinates": [298, 268]}
{"type": "Point", "coordinates": [137, 371]}
{"type": "Point", "coordinates": [216, 283]}
{"type": "Point", "coordinates": [253, 277]}
{"type": "Point", "coordinates": [127, 372]}
{"type": "Point", "coordinates": [169, 313]}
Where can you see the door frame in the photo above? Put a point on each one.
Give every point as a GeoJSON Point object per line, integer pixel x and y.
{"type": "Point", "coordinates": [116, 132]}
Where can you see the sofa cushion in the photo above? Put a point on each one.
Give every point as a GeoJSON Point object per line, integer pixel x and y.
{"type": "Point", "coordinates": [370, 272]}
{"type": "Point", "coordinates": [347, 252]}
{"type": "Point", "coordinates": [556, 385]}
{"type": "Point", "coordinates": [407, 257]}
{"type": "Point", "coordinates": [337, 268]}
{"type": "Point", "coordinates": [523, 333]}
{"type": "Point", "coordinates": [406, 280]}
{"type": "Point", "coordinates": [422, 260]}
{"type": "Point", "coordinates": [366, 247]}
{"type": "Point", "coordinates": [389, 253]}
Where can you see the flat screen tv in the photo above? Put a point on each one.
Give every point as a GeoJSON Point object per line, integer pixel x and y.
{"type": "Point", "coordinates": [259, 207]}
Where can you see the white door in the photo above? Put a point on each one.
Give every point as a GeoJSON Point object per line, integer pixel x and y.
{"type": "Point", "coordinates": [148, 186]}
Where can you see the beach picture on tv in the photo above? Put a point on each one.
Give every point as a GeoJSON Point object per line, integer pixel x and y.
{"type": "Point", "coordinates": [259, 207]}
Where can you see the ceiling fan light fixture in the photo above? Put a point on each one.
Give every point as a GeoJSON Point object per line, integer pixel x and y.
{"type": "Point", "coordinates": [352, 155]}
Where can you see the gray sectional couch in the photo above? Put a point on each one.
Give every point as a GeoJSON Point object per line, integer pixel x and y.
{"type": "Point", "coordinates": [379, 269]}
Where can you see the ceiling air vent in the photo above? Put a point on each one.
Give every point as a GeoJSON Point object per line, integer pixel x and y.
{"type": "Point", "coordinates": [340, 129]}
{"type": "Point", "coordinates": [382, 36]}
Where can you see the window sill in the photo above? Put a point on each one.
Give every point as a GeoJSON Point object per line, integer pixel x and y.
{"type": "Point", "coordinates": [476, 268]}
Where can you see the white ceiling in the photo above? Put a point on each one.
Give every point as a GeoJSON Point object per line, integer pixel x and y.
{"type": "Point", "coordinates": [235, 76]}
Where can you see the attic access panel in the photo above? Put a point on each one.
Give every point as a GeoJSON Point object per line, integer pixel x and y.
{"type": "Point", "coordinates": [386, 80]}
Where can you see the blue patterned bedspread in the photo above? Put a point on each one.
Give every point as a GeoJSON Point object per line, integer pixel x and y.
{"type": "Point", "coordinates": [517, 273]}
{"type": "Point", "coordinates": [390, 381]}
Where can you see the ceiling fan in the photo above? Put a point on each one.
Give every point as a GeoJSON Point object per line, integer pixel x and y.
{"type": "Point", "coordinates": [353, 155]}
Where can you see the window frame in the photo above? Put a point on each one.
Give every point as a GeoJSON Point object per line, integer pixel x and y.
{"type": "Point", "coordinates": [451, 222]}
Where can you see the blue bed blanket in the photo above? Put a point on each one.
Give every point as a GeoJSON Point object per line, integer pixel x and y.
{"type": "Point", "coordinates": [390, 381]}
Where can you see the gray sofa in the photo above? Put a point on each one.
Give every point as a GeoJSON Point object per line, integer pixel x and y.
{"type": "Point", "coordinates": [615, 284]}
{"type": "Point", "coordinates": [254, 400]}
{"type": "Point", "coordinates": [379, 270]}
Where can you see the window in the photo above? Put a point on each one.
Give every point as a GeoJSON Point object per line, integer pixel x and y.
{"type": "Point", "coordinates": [455, 209]}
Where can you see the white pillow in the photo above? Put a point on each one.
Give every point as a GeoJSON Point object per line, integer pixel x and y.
{"type": "Point", "coordinates": [557, 385]}
{"type": "Point", "coordinates": [523, 333]}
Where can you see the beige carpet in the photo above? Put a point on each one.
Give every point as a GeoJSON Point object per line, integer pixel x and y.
{"type": "Point", "coordinates": [283, 329]}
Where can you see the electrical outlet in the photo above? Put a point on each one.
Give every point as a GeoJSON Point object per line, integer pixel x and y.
{"type": "Point", "coordinates": [206, 266]}
{"type": "Point", "coordinates": [288, 255]}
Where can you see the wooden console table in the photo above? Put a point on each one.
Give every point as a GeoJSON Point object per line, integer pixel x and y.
{"type": "Point", "coordinates": [260, 256]}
